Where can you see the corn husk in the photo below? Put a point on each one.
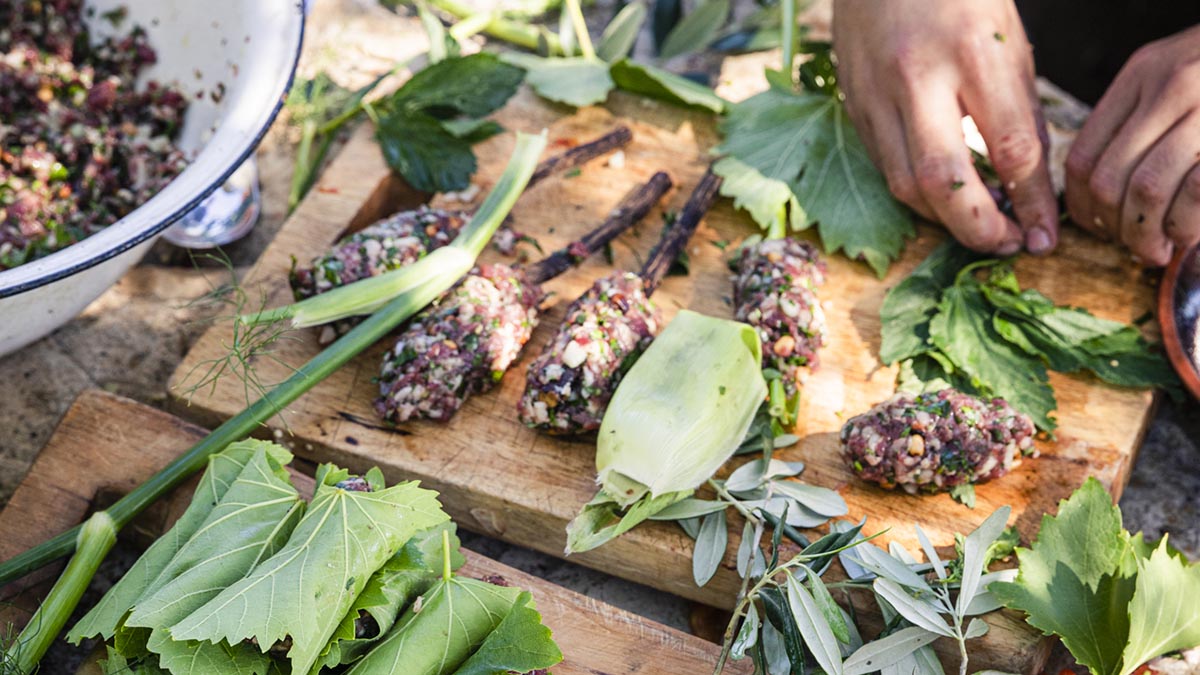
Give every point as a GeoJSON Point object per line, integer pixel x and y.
{"type": "Point", "coordinates": [678, 415]}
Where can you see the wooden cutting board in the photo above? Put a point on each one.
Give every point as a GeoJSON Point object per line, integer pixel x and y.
{"type": "Point", "coordinates": [512, 483]}
{"type": "Point", "coordinates": [106, 445]}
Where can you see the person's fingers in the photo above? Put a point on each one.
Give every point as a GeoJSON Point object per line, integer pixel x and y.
{"type": "Point", "coordinates": [1114, 108]}
{"type": "Point", "coordinates": [1182, 224]}
{"type": "Point", "coordinates": [946, 178]}
{"type": "Point", "coordinates": [1152, 186]}
{"type": "Point", "coordinates": [893, 161]}
{"type": "Point", "coordinates": [1009, 125]}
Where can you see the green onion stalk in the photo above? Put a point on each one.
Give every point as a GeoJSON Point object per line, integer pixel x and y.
{"type": "Point", "coordinates": [94, 540]}
{"type": "Point", "coordinates": [422, 285]}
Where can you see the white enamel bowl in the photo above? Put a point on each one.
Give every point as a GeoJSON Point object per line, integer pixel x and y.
{"type": "Point", "coordinates": [235, 60]}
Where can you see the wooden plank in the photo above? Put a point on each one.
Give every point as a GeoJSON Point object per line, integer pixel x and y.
{"type": "Point", "coordinates": [509, 482]}
{"type": "Point", "coordinates": [106, 443]}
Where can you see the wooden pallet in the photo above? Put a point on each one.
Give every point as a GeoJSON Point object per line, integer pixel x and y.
{"type": "Point", "coordinates": [107, 445]}
{"type": "Point", "coordinates": [509, 482]}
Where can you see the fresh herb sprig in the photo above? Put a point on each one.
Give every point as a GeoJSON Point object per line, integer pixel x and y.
{"type": "Point", "coordinates": [425, 128]}
{"type": "Point", "coordinates": [786, 617]}
{"type": "Point", "coordinates": [964, 321]}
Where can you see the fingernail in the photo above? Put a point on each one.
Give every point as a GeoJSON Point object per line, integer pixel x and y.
{"type": "Point", "coordinates": [1038, 241]}
{"type": "Point", "coordinates": [1009, 248]}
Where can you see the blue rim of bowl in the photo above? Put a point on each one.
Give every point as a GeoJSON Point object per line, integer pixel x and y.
{"type": "Point", "coordinates": [142, 236]}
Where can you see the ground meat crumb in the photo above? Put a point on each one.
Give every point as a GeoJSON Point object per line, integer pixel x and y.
{"type": "Point", "coordinates": [81, 145]}
{"type": "Point", "coordinates": [775, 292]}
{"type": "Point", "coordinates": [935, 441]}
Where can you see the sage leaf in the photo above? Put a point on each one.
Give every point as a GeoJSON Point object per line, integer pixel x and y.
{"type": "Point", "coordinates": [918, 612]}
{"type": "Point", "coordinates": [696, 30]}
{"type": "Point", "coordinates": [822, 501]}
{"type": "Point", "coordinates": [910, 305]}
{"type": "Point", "coordinates": [888, 650]}
{"type": "Point", "coordinates": [975, 547]}
{"type": "Point", "coordinates": [621, 33]}
{"type": "Point", "coordinates": [710, 547]}
{"type": "Point", "coordinates": [747, 635]}
{"type": "Point", "coordinates": [689, 508]}
{"type": "Point", "coordinates": [575, 80]}
{"type": "Point", "coordinates": [648, 80]}
{"type": "Point", "coordinates": [816, 632]}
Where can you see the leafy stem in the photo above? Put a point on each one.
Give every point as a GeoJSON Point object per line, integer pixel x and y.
{"type": "Point", "coordinates": [581, 29]}
{"type": "Point", "coordinates": [789, 36]}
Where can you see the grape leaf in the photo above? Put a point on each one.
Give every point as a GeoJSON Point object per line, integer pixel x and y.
{"type": "Point", "coordinates": [412, 571]}
{"type": "Point", "coordinates": [647, 80]}
{"type": "Point", "coordinates": [806, 141]}
{"type": "Point", "coordinates": [1164, 615]}
{"type": "Point", "coordinates": [454, 619]}
{"type": "Point", "coordinates": [222, 472]}
{"type": "Point", "coordinates": [304, 590]}
{"type": "Point", "coordinates": [1078, 578]}
{"type": "Point", "coordinates": [197, 657]}
{"type": "Point", "coordinates": [520, 644]}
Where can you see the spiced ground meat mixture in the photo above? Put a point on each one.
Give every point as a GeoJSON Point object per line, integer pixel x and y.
{"type": "Point", "coordinates": [459, 346]}
{"type": "Point", "coordinates": [775, 292]}
{"type": "Point", "coordinates": [934, 441]}
{"type": "Point", "coordinates": [569, 385]}
{"type": "Point", "coordinates": [80, 145]}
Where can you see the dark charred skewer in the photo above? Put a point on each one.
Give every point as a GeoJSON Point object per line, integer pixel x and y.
{"type": "Point", "coordinates": [403, 238]}
{"type": "Point", "coordinates": [464, 343]}
{"type": "Point", "coordinates": [775, 292]}
{"type": "Point", "coordinates": [569, 385]}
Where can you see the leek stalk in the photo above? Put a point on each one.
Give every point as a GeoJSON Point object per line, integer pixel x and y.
{"type": "Point", "coordinates": [379, 324]}
{"type": "Point", "coordinates": [95, 539]}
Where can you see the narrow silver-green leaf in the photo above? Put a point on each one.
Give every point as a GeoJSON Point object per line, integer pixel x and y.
{"type": "Point", "coordinates": [621, 33]}
{"type": "Point", "coordinates": [923, 661]}
{"type": "Point", "coordinates": [690, 526]}
{"type": "Point", "coordinates": [985, 601]}
{"type": "Point", "coordinates": [775, 650]}
{"type": "Point", "coordinates": [975, 547]}
{"type": "Point", "coordinates": [977, 628]}
{"type": "Point", "coordinates": [746, 549]}
{"type": "Point", "coordinates": [710, 547]}
{"type": "Point", "coordinates": [881, 563]}
{"type": "Point", "coordinates": [916, 611]}
{"type": "Point", "coordinates": [822, 501]}
{"type": "Point", "coordinates": [931, 553]}
{"type": "Point", "coordinates": [816, 632]}
{"type": "Point", "coordinates": [747, 635]}
{"type": "Point", "coordinates": [829, 609]}
{"type": "Point", "coordinates": [696, 30]}
{"type": "Point", "coordinates": [881, 653]}
{"type": "Point", "coordinates": [689, 508]}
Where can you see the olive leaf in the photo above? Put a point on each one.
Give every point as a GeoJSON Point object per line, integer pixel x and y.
{"type": "Point", "coordinates": [710, 547]}
{"type": "Point", "coordinates": [885, 651]}
{"type": "Point", "coordinates": [818, 635]}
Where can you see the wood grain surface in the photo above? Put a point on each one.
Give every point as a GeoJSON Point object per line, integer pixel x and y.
{"type": "Point", "coordinates": [107, 445]}
{"type": "Point", "coordinates": [509, 482]}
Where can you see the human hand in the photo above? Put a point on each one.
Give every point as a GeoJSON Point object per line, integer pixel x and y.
{"type": "Point", "coordinates": [1133, 173]}
{"type": "Point", "coordinates": [910, 70]}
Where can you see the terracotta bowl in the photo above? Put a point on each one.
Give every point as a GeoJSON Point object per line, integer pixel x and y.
{"type": "Point", "coordinates": [1179, 314]}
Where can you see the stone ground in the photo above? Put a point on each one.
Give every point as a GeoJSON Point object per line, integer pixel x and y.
{"type": "Point", "coordinates": [130, 340]}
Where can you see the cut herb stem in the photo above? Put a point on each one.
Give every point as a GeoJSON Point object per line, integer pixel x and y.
{"type": "Point", "coordinates": [788, 36]}
{"type": "Point", "coordinates": [581, 29]}
{"type": "Point", "coordinates": [514, 32]}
